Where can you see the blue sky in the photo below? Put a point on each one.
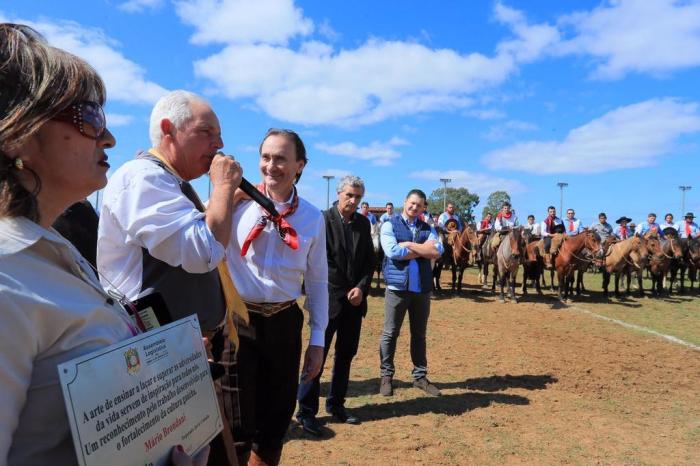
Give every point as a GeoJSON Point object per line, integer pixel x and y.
{"type": "Point", "coordinates": [513, 95]}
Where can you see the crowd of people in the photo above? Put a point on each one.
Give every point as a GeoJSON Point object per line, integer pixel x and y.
{"type": "Point", "coordinates": [236, 265]}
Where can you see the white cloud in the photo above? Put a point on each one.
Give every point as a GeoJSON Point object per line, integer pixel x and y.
{"type": "Point", "coordinates": [377, 153]}
{"type": "Point", "coordinates": [315, 83]}
{"type": "Point", "coordinates": [137, 6]}
{"type": "Point", "coordinates": [125, 80]}
{"type": "Point", "coordinates": [497, 132]}
{"type": "Point", "coordinates": [244, 21]}
{"type": "Point", "coordinates": [480, 183]}
{"type": "Point", "coordinates": [487, 114]}
{"type": "Point", "coordinates": [636, 135]}
{"type": "Point", "coordinates": [371, 83]}
{"type": "Point", "coordinates": [118, 119]}
{"type": "Point", "coordinates": [531, 41]}
{"type": "Point", "coordinates": [644, 36]}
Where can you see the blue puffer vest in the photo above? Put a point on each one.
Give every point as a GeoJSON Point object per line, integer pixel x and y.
{"type": "Point", "coordinates": [396, 271]}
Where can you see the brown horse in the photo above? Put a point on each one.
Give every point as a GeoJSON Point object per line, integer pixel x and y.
{"type": "Point", "coordinates": [463, 250]}
{"type": "Point", "coordinates": [660, 260]}
{"type": "Point", "coordinates": [571, 255]}
{"type": "Point", "coordinates": [623, 258]}
{"type": "Point", "coordinates": [508, 257]}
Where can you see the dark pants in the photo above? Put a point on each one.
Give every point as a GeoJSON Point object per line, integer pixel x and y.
{"type": "Point", "coordinates": [267, 366]}
{"type": "Point", "coordinates": [347, 325]}
{"type": "Point", "coordinates": [547, 244]}
{"type": "Point", "coordinates": [396, 303]}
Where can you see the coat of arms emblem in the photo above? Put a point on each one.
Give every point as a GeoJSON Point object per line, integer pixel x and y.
{"type": "Point", "coordinates": [133, 363]}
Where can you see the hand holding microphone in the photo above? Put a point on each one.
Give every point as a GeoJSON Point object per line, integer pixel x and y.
{"type": "Point", "coordinates": [230, 171]}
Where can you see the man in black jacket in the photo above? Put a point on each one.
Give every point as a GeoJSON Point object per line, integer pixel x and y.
{"type": "Point", "coordinates": [351, 263]}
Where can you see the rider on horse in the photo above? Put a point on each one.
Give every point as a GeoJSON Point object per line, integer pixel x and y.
{"type": "Point", "coordinates": [552, 228]}
{"type": "Point", "coordinates": [622, 231]}
{"type": "Point", "coordinates": [506, 220]}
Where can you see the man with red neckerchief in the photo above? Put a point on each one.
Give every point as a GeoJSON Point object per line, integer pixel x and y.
{"type": "Point", "coordinates": [688, 228]}
{"type": "Point", "coordinates": [505, 220]}
{"type": "Point", "coordinates": [269, 257]}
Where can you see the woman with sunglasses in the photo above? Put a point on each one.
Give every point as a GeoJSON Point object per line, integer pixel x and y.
{"type": "Point", "coordinates": [53, 138]}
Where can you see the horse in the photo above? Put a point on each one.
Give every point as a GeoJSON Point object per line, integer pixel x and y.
{"type": "Point", "coordinates": [533, 264]}
{"type": "Point", "coordinates": [445, 260]}
{"type": "Point", "coordinates": [690, 262]}
{"type": "Point", "coordinates": [623, 258]}
{"type": "Point", "coordinates": [488, 256]}
{"type": "Point", "coordinates": [481, 237]}
{"type": "Point", "coordinates": [378, 251]}
{"type": "Point", "coordinates": [508, 258]}
{"type": "Point", "coordinates": [464, 247]}
{"type": "Point", "coordinates": [570, 257]}
{"type": "Point", "coordinates": [660, 261]}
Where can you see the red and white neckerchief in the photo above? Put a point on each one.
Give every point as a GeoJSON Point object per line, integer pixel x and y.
{"type": "Point", "coordinates": [287, 234]}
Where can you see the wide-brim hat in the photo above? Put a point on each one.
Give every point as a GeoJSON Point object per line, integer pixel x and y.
{"type": "Point", "coordinates": [670, 231]}
{"type": "Point", "coordinates": [623, 219]}
{"type": "Point", "coordinates": [451, 225]}
{"type": "Point", "coordinates": [558, 228]}
{"type": "Point", "coordinates": [689, 214]}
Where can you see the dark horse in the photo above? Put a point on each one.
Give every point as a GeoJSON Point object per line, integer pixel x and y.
{"type": "Point", "coordinates": [660, 261]}
{"type": "Point", "coordinates": [690, 263]}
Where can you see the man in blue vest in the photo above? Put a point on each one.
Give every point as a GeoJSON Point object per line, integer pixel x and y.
{"type": "Point", "coordinates": [409, 244]}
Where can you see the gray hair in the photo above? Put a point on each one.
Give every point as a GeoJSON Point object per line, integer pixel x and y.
{"type": "Point", "coordinates": [176, 107]}
{"type": "Point", "coordinates": [350, 180]}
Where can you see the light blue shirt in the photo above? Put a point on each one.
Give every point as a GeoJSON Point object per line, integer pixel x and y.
{"type": "Point", "coordinates": [618, 232]}
{"type": "Point", "coordinates": [644, 227]}
{"type": "Point", "coordinates": [694, 230]}
{"type": "Point", "coordinates": [386, 217]}
{"type": "Point", "coordinates": [370, 216]}
{"type": "Point", "coordinates": [572, 226]}
{"type": "Point", "coordinates": [393, 250]}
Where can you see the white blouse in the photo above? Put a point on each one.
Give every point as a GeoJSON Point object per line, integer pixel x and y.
{"type": "Point", "coordinates": [53, 310]}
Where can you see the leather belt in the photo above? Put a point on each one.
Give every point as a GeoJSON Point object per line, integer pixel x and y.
{"type": "Point", "coordinates": [269, 309]}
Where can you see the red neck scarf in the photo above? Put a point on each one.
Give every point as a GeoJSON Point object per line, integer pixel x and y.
{"type": "Point", "coordinates": [548, 223]}
{"type": "Point", "coordinates": [502, 215]}
{"type": "Point", "coordinates": [484, 224]}
{"type": "Point", "coordinates": [687, 229]}
{"type": "Point", "coordinates": [571, 225]}
{"type": "Point", "coordinates": [287, 234]}
{"type": "Point", "coordinates": [623, 231]}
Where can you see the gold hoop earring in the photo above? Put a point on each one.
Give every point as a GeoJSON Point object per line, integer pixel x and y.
{"type": "Point", "coordinates": [19, 165]}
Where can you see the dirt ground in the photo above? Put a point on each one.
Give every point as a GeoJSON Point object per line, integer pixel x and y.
{"type": "Point", "coordinates": [524, 383]}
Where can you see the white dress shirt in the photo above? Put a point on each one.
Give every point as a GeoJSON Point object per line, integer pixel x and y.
{"type": "Point", "coordinates": [144, 208]}
{"type": "Point", "coordinates": [53, 310]}
{"type": "Point", "coordinates": [503, 222]}
{"type": "Point", "coordinates": [535, 229]}
{"type": "Point", "coordinates": [272, 272]}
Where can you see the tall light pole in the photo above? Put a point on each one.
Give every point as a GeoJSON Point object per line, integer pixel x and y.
{"type": "Point", "coordinates": [328, 179]}
{"type": "Point", "coordinates": [444, 192]}
{"type": "Point", "coordinates": [561, 196]}
{"type": "Point", "coordinates": [683, 190]}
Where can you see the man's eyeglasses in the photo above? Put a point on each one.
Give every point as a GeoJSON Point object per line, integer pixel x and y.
{"type": "Point", "coordinates": [87, 117]}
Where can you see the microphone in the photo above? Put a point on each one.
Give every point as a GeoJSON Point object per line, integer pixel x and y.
{"type": "Point", "coordinates": [258, 197]}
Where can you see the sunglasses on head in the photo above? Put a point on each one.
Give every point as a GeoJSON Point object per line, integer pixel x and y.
{"type": "Point", "coordinates": [87, 117]}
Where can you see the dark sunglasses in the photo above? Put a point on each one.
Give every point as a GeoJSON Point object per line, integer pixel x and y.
{"type": "Point", "coordinates": [87, 117]}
